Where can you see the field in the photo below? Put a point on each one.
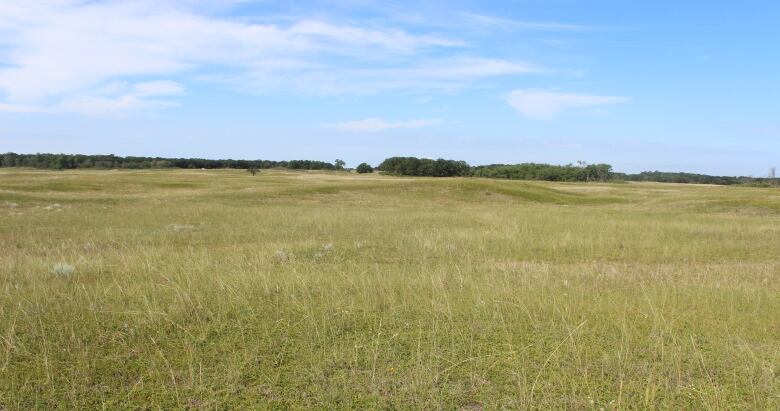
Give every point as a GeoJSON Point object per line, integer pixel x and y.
{"type": "Point", "coordinates": [194, 289]}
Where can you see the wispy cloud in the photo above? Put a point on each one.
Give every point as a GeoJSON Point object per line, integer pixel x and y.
{"type": "Point", "coordinates": [372, 125]}
{"type": "Point", "coordinates": [122, 98]}
{"type": "Point", "coordinates": [423, 75]}
{"type": "Point", "coordinates": [63, 53]}
{"type": "Point", "coordinates": [157, 88]}
{"type": "Point", "coordinates": [112, 98]}
{"type": "Point", "coordinates": [546, 105]}
{"type": "Point", "coordinates": [510, 24]}
{"type": "Point", "coordinates": [388, 39]}
{"type": "Point", "coordinates": [18, 108]}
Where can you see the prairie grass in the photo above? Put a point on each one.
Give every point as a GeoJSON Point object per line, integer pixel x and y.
{"type": "Point", "coordinates": [220, 290]}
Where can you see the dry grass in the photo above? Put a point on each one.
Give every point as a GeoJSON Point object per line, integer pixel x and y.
{"type": "Point", "coordinates": [205, 290]}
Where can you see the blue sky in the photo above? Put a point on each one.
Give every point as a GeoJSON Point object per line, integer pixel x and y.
{"type": "Point", "coordinates": [678, 86]}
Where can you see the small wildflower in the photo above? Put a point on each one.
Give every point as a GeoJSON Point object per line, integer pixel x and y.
{"type": "Point", "coordinates": [63, 269]}
{"type": "Point", "coordinates": [327, 247]}
{"type": "Point", "coordinates": [282, 255]}
{"type": "Point", "coordinates": [181, 227]}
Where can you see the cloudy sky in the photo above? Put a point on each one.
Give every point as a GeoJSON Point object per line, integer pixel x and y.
{"type": "Point", "coordinates": [643, 85]}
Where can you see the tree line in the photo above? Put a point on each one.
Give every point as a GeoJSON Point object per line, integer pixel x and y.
{"type": "Point", "coordinates": [412, 166]}
{"type": "Point", "coordinates": [546, 172]}
{"type": "Point", "coordinates": [691, 178]}
{"type": "Point", "coordinates": [402, 166]}
{"type": "Point", "coordinates": [110, 161]}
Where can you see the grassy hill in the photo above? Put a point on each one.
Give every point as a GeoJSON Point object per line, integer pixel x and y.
{"type": "Point", "coordinates": [217, 289]}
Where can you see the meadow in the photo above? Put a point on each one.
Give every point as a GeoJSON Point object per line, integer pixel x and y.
{"type": "Point", "coordinates": [193, 289]}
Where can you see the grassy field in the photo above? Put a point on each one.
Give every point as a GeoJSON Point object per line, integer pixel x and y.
{"type": "Point", "coordinates": [220, 290]}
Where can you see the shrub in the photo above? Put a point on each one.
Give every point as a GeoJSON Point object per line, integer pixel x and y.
{"type": "Point", "coordinates": [412, 166]}
{"type": "Point", "coordinates": [364, 168]}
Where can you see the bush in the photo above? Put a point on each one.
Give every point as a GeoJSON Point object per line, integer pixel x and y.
{"type": "Point", "coordinates": [364, 168]}
{"type": "Point", "coordinates": [412, 166]}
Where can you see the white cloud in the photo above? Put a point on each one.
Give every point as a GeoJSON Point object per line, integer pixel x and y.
{"type": "Point", "coordinates": [546, 105]}
{"type": "Point", "coordinates": [64, 47]}
{"type": "Point", "coordinates": [119, 98]}
{"type": "Point", "coordinates": [371, 125]}
{"type": "Point", "coordinates": [68, 53]}
{"type": "Point", "coordinates": [18, 108]}
{"type": "Point", "coordinates": [471, 68]}
{"type": "Point", "coordinates": [441, 74]}
{"type": "Point", "coordinates": [509, 24]}
{"type": "Point", "coordinates": [389, 39]}
{"type": "Point", "coordinates": [102, 106]}
{"type": "Point", "coordinates": [157, 88]}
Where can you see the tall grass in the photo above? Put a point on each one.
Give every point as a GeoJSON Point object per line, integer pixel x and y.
{"type": "Point", "coordinates": [195, 289]}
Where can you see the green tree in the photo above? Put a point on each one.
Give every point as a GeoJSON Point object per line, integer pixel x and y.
{"type": "Point", "coordinates": [412, 166]}
{"type": "Point", "coordinates": [339, 164]}
{"type": "Point", "coordinates": [364, 168]}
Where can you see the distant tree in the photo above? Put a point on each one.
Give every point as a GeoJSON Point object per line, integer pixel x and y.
{"type": "Point", "coordinates": [71, 161]}
{"type": "Point", "coordinates": [364, 168]}
{"type": "Point", "coordinates": [339, 164]}
{"type": "Point", "coordinates": [412, 166]}
{"type": "Point", "coordinates": [598, 172]}
{"type": "Point", "coordinates": [686, 178]}
{"type": "Point", "coordinates": [406, 166]}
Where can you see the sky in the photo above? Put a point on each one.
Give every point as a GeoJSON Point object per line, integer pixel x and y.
{"type": "Point", "coordinates": [643, 85]}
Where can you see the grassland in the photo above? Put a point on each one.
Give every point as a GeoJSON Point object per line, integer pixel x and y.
{"type": "Point", "coordinates": [219, 290]}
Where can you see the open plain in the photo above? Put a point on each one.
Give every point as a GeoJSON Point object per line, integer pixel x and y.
{"type": "Point", "coordinates": [221, 290]}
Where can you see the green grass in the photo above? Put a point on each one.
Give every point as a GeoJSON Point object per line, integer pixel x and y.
{"type": "Point", "coordinates": [217, 290]}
